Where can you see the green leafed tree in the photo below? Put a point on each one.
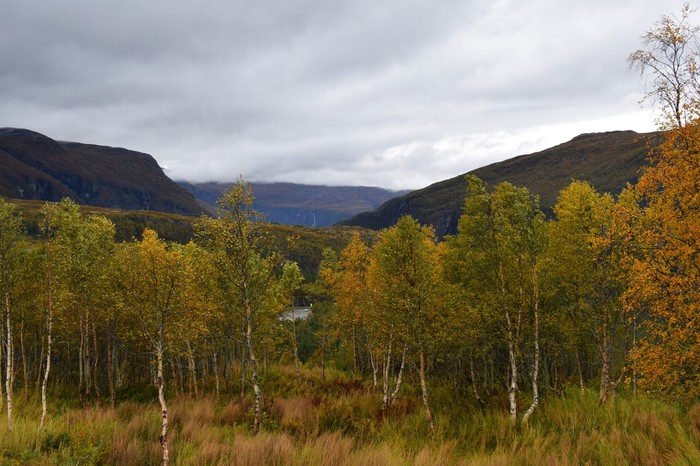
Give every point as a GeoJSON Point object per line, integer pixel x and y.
{"type": "Point", "coordinates": [246, 264]}
{"type": "Point", "coordinates": [589, 279]}
{"type": "Point", "coordinates": [150, 279]}
{"type": "Point", "coordinates": [81, 248]}
{"type": "Point", "coordinates": [406, 283]}
{"type": "Point", "coordinates": [497, 261]}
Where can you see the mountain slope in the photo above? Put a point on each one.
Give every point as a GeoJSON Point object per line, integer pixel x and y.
{"type": "Point", "coordinates": [35, 166]}
{"type": "Point", "coordinates": [606, 160]}
{"type": "Point", "coordinates": [296, 204]}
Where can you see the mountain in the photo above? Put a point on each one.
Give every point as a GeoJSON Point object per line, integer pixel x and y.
{"type": "Point", "coordinates": [37, 167]}
{"type": "Point", "coordinates": [606, 160]}
{"type": "Point", "coordinates": [296, 204]}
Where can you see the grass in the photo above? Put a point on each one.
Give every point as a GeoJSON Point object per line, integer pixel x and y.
{"type": "Point", "coordinates": [343, 425]}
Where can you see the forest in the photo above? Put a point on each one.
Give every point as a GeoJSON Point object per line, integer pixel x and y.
{"type": "Point", "coordinates": [522, 339]}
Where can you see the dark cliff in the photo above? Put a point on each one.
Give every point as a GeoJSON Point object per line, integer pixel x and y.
{"type": "Point", "coordinates": [36, 167]}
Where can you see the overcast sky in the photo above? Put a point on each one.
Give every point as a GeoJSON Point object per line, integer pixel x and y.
{"type": "Point", "coordinates": [389, 93]}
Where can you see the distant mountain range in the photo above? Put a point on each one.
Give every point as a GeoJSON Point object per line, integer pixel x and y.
{"type": "Point", "coordinates": [296, 204]}
{"type": "Point", "coordinates": [606, 160]}
{"type": "Point", "coordinates": [35, 167]}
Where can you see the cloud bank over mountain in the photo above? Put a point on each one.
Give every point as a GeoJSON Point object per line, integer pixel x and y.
{"type": "Point", "coordinates": [397, 94]}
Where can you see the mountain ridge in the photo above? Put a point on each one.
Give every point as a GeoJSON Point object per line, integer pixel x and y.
{"type": "Point", "coordinates": [300, 204]}
{"type": "Point", "coordinates": [40, 168]}
{"type": "Point", "coordinates": [607, 160]}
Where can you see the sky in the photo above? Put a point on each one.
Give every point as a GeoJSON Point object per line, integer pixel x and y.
{"type": "Point", "coordinates": [391, 93]}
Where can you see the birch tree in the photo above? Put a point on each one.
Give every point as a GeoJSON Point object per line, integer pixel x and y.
{"type": "Point", "coordinates": [246, 264]}
{"type": "Point", "coordinates": [408, 262]}
{"type": "Point", "coordinates": [589, 279]}
{"type": "Point", "coordinates": [81, 247]}
{"type": "Point", "coordinates": [658, 221]}
{"type": "Point", "coordinates": [670, 61]}
{"type": "Point", "coordinates": [11, 234]}
{"type": "Point", "coordinates": [150, 278]}
{"type": "Point", "coordinates": [500, 245]}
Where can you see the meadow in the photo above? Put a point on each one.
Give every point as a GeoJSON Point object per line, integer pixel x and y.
{"type": "Point", "coordinates": [341, 423]}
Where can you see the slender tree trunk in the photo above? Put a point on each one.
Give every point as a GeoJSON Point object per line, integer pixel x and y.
{"type": "Point", "coordinates": [180, 375]}
{"type": "Point", "coordinates": [163, 407]}
{"type": "Point", "coordinates": [216, 373]}
{"type": "Point", "coordinates": [80, 363]}
{"type": "Point", "coordinates": [354, 350]}
{"type": "Point", "coordinates": [604, 380]}
{"type": "Point", "coordinates": [49, 325]}
{"type": "Point", "coordinates": [399, 376]}
{"type": "Point", "coordinates": [95, 364]}
{"type": "Point", "coordinates": [40, 362]}
{"type": "Point", "coordinates": [244, 357]}
{"type": "Point", "coordinates": [513, 363]}
{"type": "Point", "coordinates": [25, 369]}
{"type": "Point", "coordinates": [424, 391]}
{"type": "Point", "coordinates": [472, 373]}
{"type": "Point", "coordinates": [205, 373]}
{"type": "Point", "coordinates": [110, 365]}
{"type": "Point", "coordinates": [295, 346]}
{"type": "Point", "coordinates": [385, 390]}
{"type": "Point", "coordinates": [581, 385]}
{"type": "Point", "coordinates": [193, 370]}
{"type": "Point", "coordinates": [536, 368]}
{"type": "Point", "coordinates": [9, 350]}
{"type": "Point", "coordinates": [375, 369]}
{"type": "Point", "coordinates": [174, 375]}
{"type": "Point", "coordinates": [513, 381]}
{"type": "Point", "coordinates": [254, 372]}
{"type": "Point", "coordinates": [605, 365]}
{"type": "Point", "coordinates": [86, 360]}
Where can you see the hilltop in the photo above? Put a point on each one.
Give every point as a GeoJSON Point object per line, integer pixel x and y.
{"type": "Point", "coordinates": [606, 160]}
{"type": "Point", "coordinates": [36, 167]}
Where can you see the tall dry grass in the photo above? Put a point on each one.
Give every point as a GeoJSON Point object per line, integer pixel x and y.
{"type": "Point", "coordinates": [342, 426]}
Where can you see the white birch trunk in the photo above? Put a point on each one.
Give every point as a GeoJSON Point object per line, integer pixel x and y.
{"type": "Point", "coordinates": [163, 438]}
{"type": "Point", "coordinates": [472, 373]}
{"type": "Point", "coordinates": [49, 325]}
{"type": "Point", "coordinates": [400, 375]}
{"type": "Point", "coordinates": [536, 368]}
{"type": "Point", "coordinates": [193, 370]}
{"type": "Point", "coordinates": [9, 362]}
{"type": "Point", "coordinates": [216, 374]}
{"type": "Point", "coordinates": [424, 391]}
{"type": "Point", "coordinates": [253, 370]}
{"type": "Point", "coordinates": [513, 367]}
{"type": "Point", "coordinates": [385, 390]}
{"type": "Point", "coordinates": [375, 368]}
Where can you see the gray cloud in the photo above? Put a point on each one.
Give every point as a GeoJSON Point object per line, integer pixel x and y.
{"type": "Point", "coordinates": [396, 93]}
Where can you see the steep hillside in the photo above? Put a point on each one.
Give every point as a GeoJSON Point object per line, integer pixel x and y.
{"type": "Point", "coordinates": [35, 166]}
{"type": "Point", "coordinates": [606, 160]}
{"type": "Point", "coordinates": [305, 205]}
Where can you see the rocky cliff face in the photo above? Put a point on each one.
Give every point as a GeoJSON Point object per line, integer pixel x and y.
{"type": "Point", "coordinates": [37, 167]}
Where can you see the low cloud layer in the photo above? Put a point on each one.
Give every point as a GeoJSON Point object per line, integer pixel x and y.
{"type": "Point", "coordinates": [397, 94]}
